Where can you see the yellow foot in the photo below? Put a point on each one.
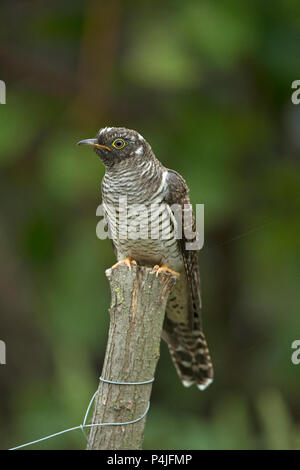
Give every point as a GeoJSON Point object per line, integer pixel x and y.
{"type": "Point", "coordinates": [164, 268]}
{"type": "Point", "coordinates": [125, 262]}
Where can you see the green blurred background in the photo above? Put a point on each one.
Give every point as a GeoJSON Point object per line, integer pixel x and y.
{"type": "Point", "coordinates": [208, 84]}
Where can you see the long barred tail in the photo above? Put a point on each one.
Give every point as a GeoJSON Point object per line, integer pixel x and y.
{"type": "Point", "coordinates": [189, 351]}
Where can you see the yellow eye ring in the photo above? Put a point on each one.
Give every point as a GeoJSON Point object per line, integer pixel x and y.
{"type": "Point", "coordinates": [119, 143]}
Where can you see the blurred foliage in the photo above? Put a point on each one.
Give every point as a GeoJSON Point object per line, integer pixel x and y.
{"type": "Point", "coordinates": [208, 84]}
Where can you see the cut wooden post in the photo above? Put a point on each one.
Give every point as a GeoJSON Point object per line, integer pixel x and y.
{"type": "Point", "coordinates": [138, 303]}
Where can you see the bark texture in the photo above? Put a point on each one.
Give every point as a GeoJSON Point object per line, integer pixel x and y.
{"type": "Point", "coordinates": [137, 311]}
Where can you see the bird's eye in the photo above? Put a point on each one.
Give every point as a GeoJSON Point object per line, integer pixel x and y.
{"type": "Point", "coordinates": [118, 143]}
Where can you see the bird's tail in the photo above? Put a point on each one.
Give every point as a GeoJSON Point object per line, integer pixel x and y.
{"type": "Point", "coordinates": [189, 351]}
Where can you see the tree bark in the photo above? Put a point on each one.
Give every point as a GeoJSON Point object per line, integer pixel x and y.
{"type": "Point", "coordinates": [138, 303]}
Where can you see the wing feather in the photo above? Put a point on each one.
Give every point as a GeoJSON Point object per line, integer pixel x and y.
{"type": "Point", "coordinates": [185, 339]}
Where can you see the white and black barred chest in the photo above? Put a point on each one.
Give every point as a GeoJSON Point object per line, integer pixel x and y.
{"type": "Point", "coordinates": [141, 225]}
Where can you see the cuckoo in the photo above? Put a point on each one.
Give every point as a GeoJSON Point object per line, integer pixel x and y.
{"type": "Point", "coordinates": [133, 174]}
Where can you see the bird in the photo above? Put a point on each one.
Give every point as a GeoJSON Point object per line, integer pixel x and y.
{"type": "Point", "coordinates": [133, 171]}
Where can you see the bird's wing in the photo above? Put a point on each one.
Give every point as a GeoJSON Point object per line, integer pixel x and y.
{"type": "Point", "coordinates": [183, 332]}
{"type": "Point", "coordinates": [185, 218]}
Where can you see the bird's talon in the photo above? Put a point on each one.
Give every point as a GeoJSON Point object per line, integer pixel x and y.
{"type": "Point", "coordinates": [165, 269]}
{"type": "Point", "coordinates": [125, 262]}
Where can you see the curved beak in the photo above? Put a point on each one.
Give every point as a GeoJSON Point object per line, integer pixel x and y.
{"type": "Point", "coordinates": [93, 143]}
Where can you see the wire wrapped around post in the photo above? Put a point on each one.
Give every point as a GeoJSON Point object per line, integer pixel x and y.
{"type": "Point", "coordinates": [139, 297]}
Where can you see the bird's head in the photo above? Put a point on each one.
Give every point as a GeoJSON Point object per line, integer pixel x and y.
{"type": "Point", "coordinates": [116, 144]}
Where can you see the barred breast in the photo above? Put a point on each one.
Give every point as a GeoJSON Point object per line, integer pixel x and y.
{"type": "Point", "coordinates": [142, 227]}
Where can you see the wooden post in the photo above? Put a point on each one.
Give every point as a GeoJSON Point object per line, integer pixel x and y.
{"type": "Point", "coordinates": [138, 303]}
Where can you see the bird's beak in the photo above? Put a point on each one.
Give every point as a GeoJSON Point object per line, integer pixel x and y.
{"type": "Point", "coordinates": [94, 144]}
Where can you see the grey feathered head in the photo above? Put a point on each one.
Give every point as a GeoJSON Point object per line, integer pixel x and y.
{"type": "Point", "coordinates": [115, 144]}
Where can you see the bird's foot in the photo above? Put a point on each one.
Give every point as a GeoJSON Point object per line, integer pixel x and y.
{"type": "Point", "coordinates": [125, 262]}
{"type": "Point", "coordinates": [165, 269]}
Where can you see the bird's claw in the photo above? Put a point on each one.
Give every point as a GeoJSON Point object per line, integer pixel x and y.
{"type": "Point", "coordinates": [125, 262]}
{"type": "Point", "coordinates": [164, 269]}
